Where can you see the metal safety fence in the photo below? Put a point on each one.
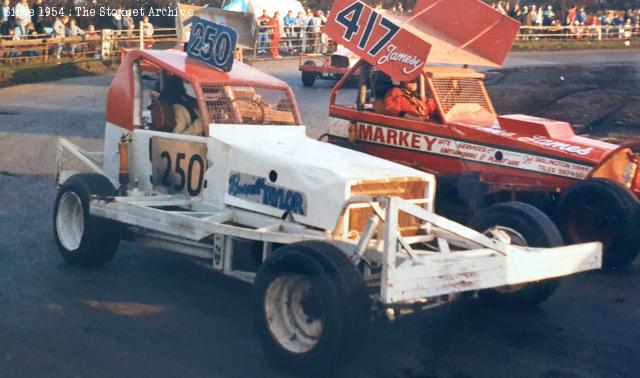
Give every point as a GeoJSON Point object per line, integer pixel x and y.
{"type": "Point", "coordinates": [270, 42]}
{"type": "Point", "coordinates": [94, 45]}
{"type": "Point", "coordinates": [579, 32]}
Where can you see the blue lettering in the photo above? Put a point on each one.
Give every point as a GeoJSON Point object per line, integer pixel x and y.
{"type": "Point", "coordinates": [272, 196]}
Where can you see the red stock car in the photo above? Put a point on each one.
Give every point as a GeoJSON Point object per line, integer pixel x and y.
{"type": "Point", "coordinates": [590, 188]}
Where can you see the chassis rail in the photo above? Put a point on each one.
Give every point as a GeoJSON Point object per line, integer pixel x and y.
{"type": "Point", "coordinates": [445, 259]}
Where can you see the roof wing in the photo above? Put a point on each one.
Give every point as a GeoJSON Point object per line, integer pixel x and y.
{"type": "Point", "coordinates": [376, 39]}
{"type": "Point", "coordinates": [450, 32]}
{"type": "Point", "coordinates": [462, 31]}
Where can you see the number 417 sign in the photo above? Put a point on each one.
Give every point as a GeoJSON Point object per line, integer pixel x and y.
{"type": "Point", "coordinates": [212, 44]}
{"type": "Point", "coordinates": [376, 39]}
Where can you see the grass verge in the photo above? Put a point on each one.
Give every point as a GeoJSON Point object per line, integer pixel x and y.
{"type": "Point", "coordinates": [572, 45]}
{"type": "Point", "coordinates": [41, 73]}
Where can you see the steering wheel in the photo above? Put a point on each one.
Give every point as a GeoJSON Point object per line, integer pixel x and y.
{"type": "Point", "coordinates": [254, 103]}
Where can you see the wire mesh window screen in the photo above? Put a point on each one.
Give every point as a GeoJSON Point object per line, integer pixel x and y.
{"type": "Point", "coordinates": [249, 105]}
{"type": "Point", "coordinates": [452, 91]}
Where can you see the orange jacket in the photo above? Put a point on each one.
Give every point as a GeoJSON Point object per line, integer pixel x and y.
{"type": "Point", "coordinates": [398, 103]}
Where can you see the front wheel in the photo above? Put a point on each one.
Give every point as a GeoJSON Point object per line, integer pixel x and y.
{"type": "Point", "coordinates": [525, 226]}
{"type": "Point", "coordinates": [311, 307]}
{"type": "Point", "coordinates": [83, 239]}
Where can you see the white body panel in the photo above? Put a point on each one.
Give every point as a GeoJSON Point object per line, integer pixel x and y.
{"type": "Point", "coordinates": [319, 172]}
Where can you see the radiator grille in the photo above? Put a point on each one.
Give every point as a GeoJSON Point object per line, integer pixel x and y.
{"type": "Point", "coordinates": [409, 189]}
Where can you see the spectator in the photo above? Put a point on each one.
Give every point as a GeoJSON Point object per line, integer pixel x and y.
{"type": "Point", "coordinates": [307, 36]}
{"type": "Point", "coordinates": [73, 30]}
{"type": "Point", "coordinates": [60, 31]}
{"type": "Point", "coordinates": [263, 32]}
{"type": "Point", "coordinates": [300, 31]}
{"type": "Point", "coordinates": [128, 24]}
{"type": "Point", "coordinates": [523, 16]}
{"type": "Point", "coordinates": [514, 12]}
{"type": "Point", "coordinates": [23, 16]}
{"type": "Point", "coordinates": [38, 19]}
{"type": "Point", "coordinates": [539, 17]}
{"type": "Point", "coordinates": [274, 26]}
{"type": "Point", "coordinates": [12, 35]}
{"type": "Point", "coordinates": [548, 16]}
{"type": "Point", "coordinates": [5, 11]}
{"type": "Point", "coordinates": [315, 31]}
{"type": "Point", "coordinates": [147, 32]}
{"type": "Point", "coordinates": [572, 15]}
{"type": "Point", "coordinates": [289, 23]}
{"type": "Point", "coordinates": [581, 16]}
{"type": "Point", "coordinates": [117, 20]}
{"type": "Point", "coordinates": [147, 27]}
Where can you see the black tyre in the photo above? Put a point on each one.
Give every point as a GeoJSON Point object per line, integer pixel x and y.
{"type": "Point", "coordinates": [308, 77]}
{"type": "Point", "coordinates": [311, 307]}
{"type": "Point", "coordinates": [526, 226]}
{"type": "Point", "coordinates": [82, 239]}
{"type": "Point", "coordinates": [605, 211]}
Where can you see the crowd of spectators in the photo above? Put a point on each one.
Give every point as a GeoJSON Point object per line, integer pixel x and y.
{"type": "Point", "coordinates": [618, 23]}
{"type": "Point", "coordinates": [25, 20]}
{"type": "Point", "coordinates": [291, 34]}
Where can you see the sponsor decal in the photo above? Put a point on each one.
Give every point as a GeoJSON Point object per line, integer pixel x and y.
{"type": "Point", "coordinates": [257, 189]}
{"type": "Point", "coordinates": [393, 55]}
{"type": "Point", "coordinates": [560, 146]}
{"type": "Point", "coordinates": [409, 140]}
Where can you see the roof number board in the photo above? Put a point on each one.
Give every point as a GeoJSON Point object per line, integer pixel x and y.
{"type": "Point", "coordinates": [212, 44]}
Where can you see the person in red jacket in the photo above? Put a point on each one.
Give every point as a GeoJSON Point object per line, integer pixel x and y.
{"type": "Point", "coordinates": [276, 37]}
{"type": "Point", "coordinates": [405, 101]}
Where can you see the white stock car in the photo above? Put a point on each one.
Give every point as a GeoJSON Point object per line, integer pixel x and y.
{"type": "Point", "coordinates": [326, 235]}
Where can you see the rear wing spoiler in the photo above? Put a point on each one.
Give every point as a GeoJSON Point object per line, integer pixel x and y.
{"type": "Point", "coordinates": [444, 32]}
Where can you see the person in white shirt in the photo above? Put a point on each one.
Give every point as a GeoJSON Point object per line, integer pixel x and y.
{"type": "Point", "coordinates": [147, 32]}
{"type": "Point", "coordinates": [60, 31]}
{"type": "Point", "coordinates": [147, 27]}
{"type": "Point", "coordinates": [23, 14]}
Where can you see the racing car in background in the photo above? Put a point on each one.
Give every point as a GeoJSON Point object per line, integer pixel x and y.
{"type": "Point", "coordinates": [318, 66]}
{"type": "Point", "coordinates": [327, 236]}
{"type": "Point", "coordinates": [589, 187]}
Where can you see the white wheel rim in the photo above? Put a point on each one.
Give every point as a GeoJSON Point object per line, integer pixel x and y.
{"type": "Point", "coordinates": [513, 237]}
{"type": "Point", "coordinates": [291, 308]}
{"type": "Point", "coordinates": [70, 221]}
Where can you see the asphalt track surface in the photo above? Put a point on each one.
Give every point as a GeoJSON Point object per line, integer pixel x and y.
{"type": "Point", "coordinates": [152, 314]}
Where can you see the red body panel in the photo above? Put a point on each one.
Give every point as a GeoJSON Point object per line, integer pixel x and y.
{"type": "Point", "coordinates": [516, 153]}
{"type": "Point", "coordinates": [120, 100]}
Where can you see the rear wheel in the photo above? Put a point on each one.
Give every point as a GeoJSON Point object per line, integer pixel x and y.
{"type": "Point", "coordinates": [309, 77]}
{"type": "Point", "coordinates": [83, 239]}
{"type": "Point", "coordinates": [311, 307]}
{"type": "Point", "coordinates": [601, 210]}
{"type": "Point", "coordinates": [524, 225]}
